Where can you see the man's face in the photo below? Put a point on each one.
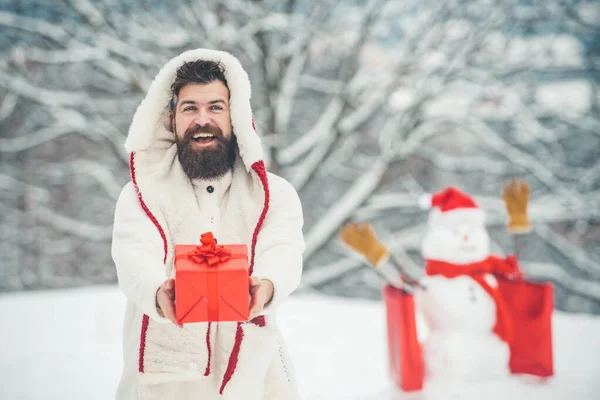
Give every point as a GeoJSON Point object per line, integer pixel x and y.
{"type": "Point", "coordinates": [202, 126]}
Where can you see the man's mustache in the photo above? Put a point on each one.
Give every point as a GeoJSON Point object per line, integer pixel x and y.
{"type": "Point", "coordinates": [212, 130]}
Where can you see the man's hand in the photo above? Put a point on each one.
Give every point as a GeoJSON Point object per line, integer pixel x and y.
{"type": "Point", "coordinates": [261, 293]}
{"type": "Point", "coordinates": [165, 301]}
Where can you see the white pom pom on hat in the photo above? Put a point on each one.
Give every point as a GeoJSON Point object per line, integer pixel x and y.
{"type": "Point", "coordinates": [425, 201]}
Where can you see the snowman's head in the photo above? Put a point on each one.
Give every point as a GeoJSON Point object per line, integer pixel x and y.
{"type": "Point", "coordinates": [457, 304]}
{"type": "Point", "coordinates": [456, 231]}
{"type": "Point", "coordinates": [457, 237]}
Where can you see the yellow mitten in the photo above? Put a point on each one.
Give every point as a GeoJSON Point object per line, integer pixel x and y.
{"type": "Point", "coordinates": [516, 196]}
{"type": "Point", "coordinates": [362, 239]}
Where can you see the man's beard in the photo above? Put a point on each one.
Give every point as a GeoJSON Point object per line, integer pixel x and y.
{"type": "Point", "coordinates": [207, 163]}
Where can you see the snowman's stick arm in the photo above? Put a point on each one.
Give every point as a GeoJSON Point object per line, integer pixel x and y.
{"type": "Point", "coordinates": [390, 271]}
{"type": "Point", "coordinates": [387, 273]}
{"type": "Point", "coordinates": [405, 277]}
{"type": "Point", "coordinates": [516, 244]}
{"type": "Point", "coordinates": [392, 268]}
{"type": "Point", "coordinates": [362, 239]}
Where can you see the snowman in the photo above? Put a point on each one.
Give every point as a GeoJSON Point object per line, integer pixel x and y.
{"type": "Point", "coordinates": [469, 327]}
{"type": "Point", "coordinates": [466, 329]}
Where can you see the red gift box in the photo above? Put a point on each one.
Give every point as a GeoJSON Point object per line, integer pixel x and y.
{"type": "Point", "coordinates": [406, 365]}
{"type": "Point", "coordinates": [530, 305]}
{"type": "Point", "coordinates": [211, 282]}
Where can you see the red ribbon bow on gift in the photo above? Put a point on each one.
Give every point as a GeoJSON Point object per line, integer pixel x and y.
{"type": "Point", "coordinates": [209, 252]}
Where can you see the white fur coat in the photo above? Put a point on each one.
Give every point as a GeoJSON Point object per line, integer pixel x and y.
{"type": "Point", "coordinates": [157, 210]}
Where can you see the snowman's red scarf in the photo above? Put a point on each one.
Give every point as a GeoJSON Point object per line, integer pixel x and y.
{"type": "Point", "coordinates": [491, 265]}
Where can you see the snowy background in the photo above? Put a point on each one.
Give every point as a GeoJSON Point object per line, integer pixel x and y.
{"type": "Point", "coordinates": [362, 105]}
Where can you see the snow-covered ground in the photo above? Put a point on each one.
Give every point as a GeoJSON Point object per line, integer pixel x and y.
{"type": "Point", "coordinates": [67, 345]}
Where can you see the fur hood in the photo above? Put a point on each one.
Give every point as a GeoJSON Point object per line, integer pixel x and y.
{"type": "Point", "coordinates": [148, 130]}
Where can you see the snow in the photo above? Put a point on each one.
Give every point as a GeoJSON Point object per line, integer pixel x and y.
{"type": "Point", "coordinates": [321, 129]}
{"type": "Point", "coordinates": [498, 103]}
{"type": "Point", "coordinates": [454, 104]}
{"type": "Point", "coordinates": [433, 60]}
{"type": "Point", "coordinates": [91, 13]}
{"type": "Point", "coordinates": [330, 222]}
{"type": "Point", "coordinates": [568, 51]}
{"type": "Point", "coordinates": [67, 345]}
{"type": "Point", "coordinates": [558, 50]}
{"type": "Point", "coordinates": [401, 99]}
{"type": "Point", "coordinates": [589, 12]}
{"type": "Point", "coordinates": [458, 29]}
{"type": "Point", "coordinates": [566, 97]}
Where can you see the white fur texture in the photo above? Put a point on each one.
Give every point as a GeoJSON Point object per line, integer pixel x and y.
{"type": "Point", "coordinates": [457, 236]}
{"type": "Point", "coordinates": [149, 126]}
{"type": "Point", "coordinates": [461, 345]}
{"type": "Point", "coordinates": [174, 357]}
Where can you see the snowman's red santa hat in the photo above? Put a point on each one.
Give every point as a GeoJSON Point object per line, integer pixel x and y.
{"type": "Point", "coordinates": [452, 206]}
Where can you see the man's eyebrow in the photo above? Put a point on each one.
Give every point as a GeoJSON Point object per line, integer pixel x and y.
{"type": "Point", "coordinates": [184, 102]}
{"type": "Point", "coordinates": [187, 102]}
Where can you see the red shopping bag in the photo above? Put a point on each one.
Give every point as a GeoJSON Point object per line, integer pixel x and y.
{"type": "Point", "coordinates": [404, 351]}
{"type": "Point", "coordinates": [530, 305]}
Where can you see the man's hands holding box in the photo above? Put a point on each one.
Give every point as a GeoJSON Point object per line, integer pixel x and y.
{"type": "Point", "coordinates": [212, 285]}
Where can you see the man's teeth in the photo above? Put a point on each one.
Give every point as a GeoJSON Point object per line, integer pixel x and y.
{"type": "Point", "coordinates": [203, 135]}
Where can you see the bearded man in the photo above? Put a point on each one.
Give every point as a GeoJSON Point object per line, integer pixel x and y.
{"type": "Point", "coordinates": [196, 166]}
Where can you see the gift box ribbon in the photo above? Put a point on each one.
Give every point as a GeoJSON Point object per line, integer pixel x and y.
{"type": "Point", "coordinates": [211, 254]}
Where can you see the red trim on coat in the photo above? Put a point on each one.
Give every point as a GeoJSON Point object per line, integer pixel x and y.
{"type": "Point", "coordinates": [233, 358]}
{"type": "Point", "coordinates": [145, 322]}
{"type": "Point", "coordinates": [207, 371]}
{"type": "Point", "coordinates": [145, 318]}
{"type": "Point", "coordinates": [259, 168]}
{"type": "Point", "coordinates": [146, 209]}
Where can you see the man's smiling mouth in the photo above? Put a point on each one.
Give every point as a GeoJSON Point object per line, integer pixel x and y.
{"type": "Point", "coordinates": [203, 137]}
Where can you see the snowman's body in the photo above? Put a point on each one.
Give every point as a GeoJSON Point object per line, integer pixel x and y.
{"type": "Point", "coordinates": [460, 314]}
{"type": "Point", "coordinates": [461, 345]}
{"type": "Point", "coordinates": [465, 357]}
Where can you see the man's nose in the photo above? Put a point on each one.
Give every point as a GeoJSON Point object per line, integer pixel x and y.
{"type": "Point", "coordinates": [201, 118]}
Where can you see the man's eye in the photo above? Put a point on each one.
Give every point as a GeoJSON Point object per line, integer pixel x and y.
{"type": "Point", "coordinates": [216, 108]}
{"type": "Point", "coordinates": [189, 108]}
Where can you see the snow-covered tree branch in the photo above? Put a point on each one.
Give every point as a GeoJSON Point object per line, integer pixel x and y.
{"type": "Point", "coordinates": [363, 105]}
